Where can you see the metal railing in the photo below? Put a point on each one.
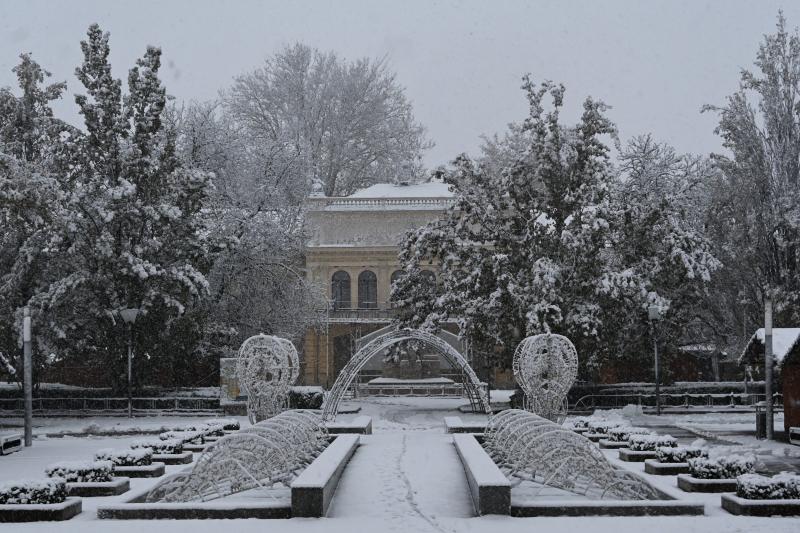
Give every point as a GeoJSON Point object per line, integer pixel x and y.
{"type": "Point", "coordinates": [111, 405]}
{"type": "Point", "coordinates": [685, 400]}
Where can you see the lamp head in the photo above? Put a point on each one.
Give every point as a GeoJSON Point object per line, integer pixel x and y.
{"type": "Point", "coordinates": [129, 315]}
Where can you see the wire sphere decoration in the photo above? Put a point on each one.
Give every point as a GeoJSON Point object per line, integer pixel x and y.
{"type": "Point", "coordinates": [266, 367]}
{"type": "Point", "coordinates": [545, 367]}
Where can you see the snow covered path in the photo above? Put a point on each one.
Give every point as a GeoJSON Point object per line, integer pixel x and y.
{"type": "Point", "coordinates": [406, 479]}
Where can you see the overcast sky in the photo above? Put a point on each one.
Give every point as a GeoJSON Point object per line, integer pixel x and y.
{"type": "Point", "coordinates": [655, 63]}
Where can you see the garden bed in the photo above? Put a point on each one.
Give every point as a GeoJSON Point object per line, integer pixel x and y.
{"type": "Point", "coordinates": [657, 468]}
{"type": "Point", "coordinates": [91, 489]}
{"type": "Point", "coordinates": [612, 444]}
{"type": "Point", "coordinates": [741, 506]}
{"type": "Point", "coordinates": [174, 458]}
{"type": "Point", "coordinates": [151, 470]}
{"type": "Point", "coordinates": [689, 483]}
{"type": "Point", "coordinates": [40, 512]}
{"type": "Point", "coordinates": [606, 508]}
{"type": "Point", "coordinates": [311, 496]}
{"type": "Point", "coordinates": [635, 456]}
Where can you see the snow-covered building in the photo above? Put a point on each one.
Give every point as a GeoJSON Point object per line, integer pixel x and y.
{"type": "Point", "coordinates": [353, 253]}
{"type": "Point", "coordinates": [786, 358]}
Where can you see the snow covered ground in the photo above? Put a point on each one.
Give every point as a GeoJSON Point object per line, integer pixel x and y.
{"type": "Point", "coordinates": [404, 477]}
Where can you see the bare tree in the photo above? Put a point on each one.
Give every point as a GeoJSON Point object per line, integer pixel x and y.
{"type": "Point", "coordinates": [348, 124]}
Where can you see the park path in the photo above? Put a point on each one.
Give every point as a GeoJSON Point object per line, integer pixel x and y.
{"type": "Point", "coordinates": [407, 475]}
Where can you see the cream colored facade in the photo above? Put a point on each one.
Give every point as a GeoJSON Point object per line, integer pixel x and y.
{"type": "Point", "coordinates": [355, 234]}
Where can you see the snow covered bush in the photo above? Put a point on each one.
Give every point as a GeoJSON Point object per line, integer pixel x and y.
{"type": "Point", "coordinates": [228, 424]}
{"type": "Point", "coordinates": [183, 436]}
{"type": "Point", "coordinates": [783, 486]}
{"type": "Point", "coordinates": [602, 426]}
{"type": "Point", "coordinates": [649, 443]}
{"type": "Point", "coordinates": [168, 446]}
{"type": "Point", "coordinates": [126, 457]}
{"type": "Point", "coordinates": [209, 429]}
{"type": "Point", "coordinates": [723, 467]}
{"type": "Point", "coordinates": [306, 397]}
{"type": "Point", "coordinates": [580, 422]}
{"type": "Point", "coordinates": [621, 433]}
{"type": "Point", "coordinates": [52, 490]}
{"type": "Point", "coordinates": [81, 471]}
{"type": "Point", "coordinates": [679, 454]}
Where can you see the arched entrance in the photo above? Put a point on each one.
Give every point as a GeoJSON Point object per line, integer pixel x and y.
{"type": "Point", "coordinates": [472, 385]}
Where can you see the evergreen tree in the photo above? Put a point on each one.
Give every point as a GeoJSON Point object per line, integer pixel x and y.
{"type": "Point", "coordinates": [542, 239]}
{"type": "Point", "coordinates": [131, 233]}
{"type": "Point", "coordinates": [30, 138]}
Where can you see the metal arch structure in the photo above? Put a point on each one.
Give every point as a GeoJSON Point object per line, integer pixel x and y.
{"type": "Point", "coordinates": [270, 452]}
{"type": "Point", "coordinates": [545, 366]}
{"type": "Point", "coordinates": [266, 366]}
{"type": "Point", "coordinates": [528, 447]}
{"type": "Point", "coordinates": [470, 381]}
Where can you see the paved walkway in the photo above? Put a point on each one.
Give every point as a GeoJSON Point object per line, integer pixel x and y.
{"type": "Point", "coordinates": [406, 475]}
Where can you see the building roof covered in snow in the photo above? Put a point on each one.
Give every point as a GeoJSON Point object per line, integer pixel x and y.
{"type": "Point", "coordinates": [785, 342]}
{"type": "Point", "coordinates": [431, 189]}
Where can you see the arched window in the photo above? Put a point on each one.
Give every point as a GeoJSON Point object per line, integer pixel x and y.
{"type": "Point", "coordinates": [367, 290]}
{"type": "Point", "coordinates": [396, 275]}
{"type": "Point", "coordinates": [340, 289]}
{"type": "Point", "coordinates": [428, 277]}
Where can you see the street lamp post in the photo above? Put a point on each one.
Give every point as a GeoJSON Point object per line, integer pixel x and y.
{"type": "Point", "coordinates": [129, 316]}
{"type": "Point", "coordinates": [768, 366]}
{"type": "Point", "coordinates": [653, 314]}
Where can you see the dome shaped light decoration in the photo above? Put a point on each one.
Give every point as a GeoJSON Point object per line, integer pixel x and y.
{"type": "Point", "coordinates": [266, 367]}
{"type": "Point", "coordinates": [528, 447]}
{"type": "Point", "coordinates": [545, 366]}
{"type": "Point", "coordinates": [269, 453]}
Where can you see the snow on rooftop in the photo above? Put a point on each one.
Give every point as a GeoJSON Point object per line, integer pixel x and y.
{"type": "Point", "coordinates": [783, 340]}
{"type": "Point", "coordinates": [431, 189]}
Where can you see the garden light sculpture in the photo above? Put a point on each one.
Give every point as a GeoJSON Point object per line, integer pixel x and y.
{"type": "Point", "coordinates": [545, 366]}
{"type": "Point", "coordinates": [528, 447]}
{"type": "Point", "coordinates": [266, 367]}
{"type": "Point", "coordinates": [273, 451]}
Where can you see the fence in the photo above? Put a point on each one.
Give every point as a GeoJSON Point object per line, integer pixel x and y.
{"type": "Point", "coordinates": [676, 400]}
{"type": "Point", "coordinates": [13, 406]}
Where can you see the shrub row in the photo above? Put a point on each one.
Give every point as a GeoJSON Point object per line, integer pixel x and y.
{"type": "Point", "coordinates": [167, 447]}
{"type": "Point", "coordinates": [723, 467]}
{"type": "Point", "coordinates": [679, 454]}
{"type": "Point", "coordinates": [649, 443]}
{"type": "Point", "coordinates": [33, 491]}
{"type": "Point", "coordinates": [783, 486]}
{"type": "Point", "coordinates": [81, 471]}
{"type": "Point", "coordinates": [622, 433]}
{"type": "Point", "coordinates": [126, 457]}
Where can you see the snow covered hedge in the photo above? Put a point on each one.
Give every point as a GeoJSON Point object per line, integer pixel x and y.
{"type": "Point", "coordinates": [621, 433]}
{"type": "Point", "coordinates": [679, 454]}
{"type": "Point", "coordinates": [81, 471]}
{"type": "Point", "coordinates": [52, 490]}
{"type": "Point", "coordinates": [167, 447]}
{"type": "Point", "coordinates": [126, 457]}
{"type": "Point", "coordinates": [783, 486]}
{"type": "Point", "coordinates": [723, 467]}
{"type": "Point", "coordinates": [602, 426]}
{"type": "Point", "coordinates": [650, 443]}
{"type": "Point", "coordinates": [183, 436]}
{"type": "Point", "coordinates": [228, 424]}
{"type": "Point", "coordinates": [206, 429]}
{"type": "Point", "coordinates": [306, 397]}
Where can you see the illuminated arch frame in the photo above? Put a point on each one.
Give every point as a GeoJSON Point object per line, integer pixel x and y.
{"type": "Point", "coordinates": [472, 385]}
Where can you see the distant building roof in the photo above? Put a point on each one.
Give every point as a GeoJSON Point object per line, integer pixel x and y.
{"type": "Point", "coordinates": [431, 189]}
{"type": "Point", "coordinates": [784, 340]}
